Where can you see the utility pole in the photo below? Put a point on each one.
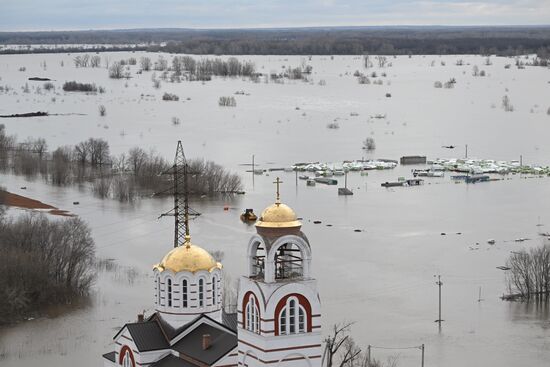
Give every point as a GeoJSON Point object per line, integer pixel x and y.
{"type": "Point", "coordinates": [422, 347]}
{"type": "Point", "coordinates": [368, 355]}
{"type": "Point", "coordinates": [180, 191]}
{"type": "Point", "coordinates": [521, 160]}
{"type": "Point", "coordinates": [439, 284]}
{"type": "Point", "coordinates": [253, 173]}
{"type": "Point", "coordinates": [346, 179]}
{"type": "Point", "coordinates": [479, 299]}
{"type": "Point", "coordinates": [466, 150]}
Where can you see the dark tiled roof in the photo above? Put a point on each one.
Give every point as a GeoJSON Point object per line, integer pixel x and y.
{"type": "Point", "coordinates": [222, 342]}
{"type": "Point", "coordinates": [230, 320]}
{"type": "Point", "coordinates": [172, 361]}
{"type": "Point", "coordinates": [169, 331]}
{"type": "Point", "coordinates": [111, 356]}
{"type": "Point", "coordinates": [147, 336]}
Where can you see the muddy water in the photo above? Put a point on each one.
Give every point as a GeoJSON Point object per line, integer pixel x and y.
{"type": "Point", "coordinates": [382, 277]}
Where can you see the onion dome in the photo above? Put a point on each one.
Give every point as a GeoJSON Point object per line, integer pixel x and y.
{"type": "Point", "coordinates": [278, 215]}
{"type": "Point", "coordinates": [188, 257]}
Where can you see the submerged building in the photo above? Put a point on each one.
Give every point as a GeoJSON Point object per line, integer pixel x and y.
{"type": "Point", "coordinates": [278, 317]}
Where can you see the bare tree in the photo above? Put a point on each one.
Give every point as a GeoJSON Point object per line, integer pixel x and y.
{"type": "Point", "coordinates": [40, 147]}
{"type": "Point", "coordinates": [161, 64]}
{"type": "Point", "coordinates": [95, 61]}
{"type": "Point", "coordinates": [99, 151]}
{"type": "Point", "coordinates": [529, 274]}
{"type": "Point", "coordinates": [369, 144]}
{"type": "Point", "coordinates": [137, 159]}
{"type": "Point", "coordinates": [102, 110]}
{"type": "Point", "coordinates": [382, 61]}
{"type": "Point", "coordinates": [61, 166]}
{"type": "Point", "coordinates": [506, 104]}
{"type": "Point", "coordinates": [334, 342]}
{"type": "Point", "coordinates": [145, 63]}
{"type": "Point", "coordinates": [116, 70]}
{"type": "Point", "coordinates": [85, 60]}
{"type": "Point", "coordinates": [43, 263]}
{"type": "Point", "coordinates": [366, 61]}
{"type": "Point", "coordinates": [82, 152]}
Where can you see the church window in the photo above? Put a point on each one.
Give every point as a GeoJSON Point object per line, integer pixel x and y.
{"type": "Point", "coordinates": [214, 293]}
{"type": "Point", "coordinates": [184, 293]}
{"type": "Point", "coordinates": [282, 322]}
{"type": "Point", "coordinates": [127, 360]}
{"type": "Point", "coordinates": [158, 291]}
{"type": "Point", "coordinates": [201, 292]}
{"type": "Point", "coordinates": [292, 318]}
{"type": "Point", "coordinates": [301, 320]}
{"type": "Point", "coordinates": [169, 292]}
{"type": "Point", "coordinates": [252, 315]}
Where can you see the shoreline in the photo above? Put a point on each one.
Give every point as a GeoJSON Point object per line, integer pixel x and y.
{"type": "Point", "coordinates": [13, 200]}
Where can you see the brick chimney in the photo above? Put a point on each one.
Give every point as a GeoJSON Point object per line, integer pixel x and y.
{"type": "Point", "coordinates": [140, 317]}
{"type": "Point", "coordinates": [206, 340]}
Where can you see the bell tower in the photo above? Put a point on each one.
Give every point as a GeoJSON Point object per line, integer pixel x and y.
{"type": "Point", "coordinates": [279, 310]}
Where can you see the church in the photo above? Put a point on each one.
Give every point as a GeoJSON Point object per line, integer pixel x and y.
{"type": "Point", "coordinates": [278, 318]}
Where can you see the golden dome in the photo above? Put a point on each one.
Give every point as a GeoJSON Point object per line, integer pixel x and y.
{"type": "Point", "coordinates": [188, 257]}
{"type": "Point", "coordinates": [278, 216]}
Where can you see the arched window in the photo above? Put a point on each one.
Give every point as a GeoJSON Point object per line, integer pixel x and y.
{"type": "Point", "coordinates": [214, 292]}
{"type": "Point", "coordinates": [292, 318]}
{"type": "Point", "coordinates": [201, 292]}
{"type": "Point", "coordinates": [184, 293]}
{"type": "Point", "coordinates": [252, 315]}
{"type": "Point", "coordinates": [158, 290]}
{"type": "Point", "coordinates": [169, 282]}
{"type": "Point", "coordinates": [127, 360]}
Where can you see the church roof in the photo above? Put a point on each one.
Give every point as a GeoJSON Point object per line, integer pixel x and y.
{"type": "Point", "coordinates": [111, 356]}
{"type": "Point", "coordinates": [222, 342]}
{"type": "Point", "coordinates": [230, 320]}
{"type": "Point", "coordinates": [188, 257]}
{"type": "Point", "coordinates": [147, 336]}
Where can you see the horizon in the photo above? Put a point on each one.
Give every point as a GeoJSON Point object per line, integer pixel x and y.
{"type": "Point", "coordinates": [66, 15]}
{"type": "Point", "coordinates": [275, 28]}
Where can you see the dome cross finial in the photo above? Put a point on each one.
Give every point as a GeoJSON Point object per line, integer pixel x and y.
{"type": "Point", "coordinates": [278, 182]}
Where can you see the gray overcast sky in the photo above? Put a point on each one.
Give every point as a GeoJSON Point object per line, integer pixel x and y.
{"type": "Point", "coordinates": [17, 15]}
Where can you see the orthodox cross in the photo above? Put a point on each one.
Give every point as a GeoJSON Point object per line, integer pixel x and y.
{"type": "Point", "coordinates": [278, 182]}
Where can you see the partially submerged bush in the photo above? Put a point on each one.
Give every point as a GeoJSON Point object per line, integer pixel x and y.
{"type": "Point", "coordinates": [363, 79]}
{"type": "Point", "coordinates": [170, 97]}
{"type": "Point", "coordinates": [506, 104]}
{"type": "Point", "coordinates": [116, 70]}
{"type": "Point", "coordinates": [44, 262]}
{"type": "Point", "coordinates": [49, 86]}
{"type": "Point", "coordinates": [438, 84]}
{"type": "Point", "coordinates": [79, 87]}
{"type": "Point", "coordinates": [102, 110]}
{"type": "Point", "coordinates": [227, 101]}
{"type": "Point", "coordinates": [333, 125]}
{"type": "Point", "coordinates": [369, 144]}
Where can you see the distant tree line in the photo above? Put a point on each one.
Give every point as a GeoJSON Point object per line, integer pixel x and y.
{"type": "Point", "coordinates": [44, 263]}
{"type": "Point", "coordinates": [124, 177]}
{"type": "Point", "coordinates": [305, 41]}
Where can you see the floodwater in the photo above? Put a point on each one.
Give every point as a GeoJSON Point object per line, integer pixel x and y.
{"type": "Point", "coordinates": [382, 278]}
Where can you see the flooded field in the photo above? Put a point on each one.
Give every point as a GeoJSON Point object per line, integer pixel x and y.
{"type": "Point", "coordinates": [381, 277]}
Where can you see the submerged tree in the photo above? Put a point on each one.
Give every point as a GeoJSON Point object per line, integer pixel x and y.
{"type": "Point", "coordinates": [369, 144]}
